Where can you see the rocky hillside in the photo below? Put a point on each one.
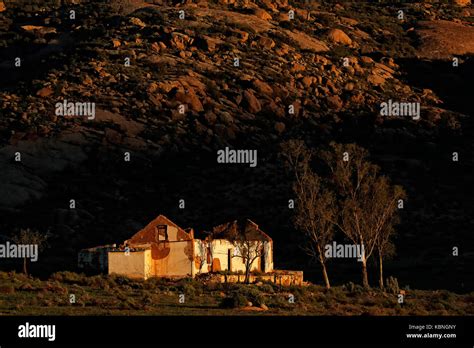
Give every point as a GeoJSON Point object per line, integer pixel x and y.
{"type": "Point", "coordinates": [174, 81]}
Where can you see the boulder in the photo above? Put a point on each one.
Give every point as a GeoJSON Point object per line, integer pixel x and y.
{"type": "Point", "coordinates": [44, 92]}
{"type": "Point", "coordinates": [339, 37]}
{"type": "Point", "coordinates": [252, 103]}
{"type": "Point", "coordinates": [443, 39]}
{"type": "Point", "coordinates": [191, 100]}
{"type": "Point", "coordinates": [462, 2]}
{"type": "Point", "coordinates": [308, 81]}
{"type": "Point", "coordinates": [138, 22]}
{"type": "Point", "coordinates": [262, 87]}
{"type": "Point", "coordinates": [266, 43]}
{"type": "Point", "coordinates": [211, 43]}
{"type": "Point", "coordinates": [306, 42]}
{"type": "Point", "coordinates": [334, 102]}
{"type": "Point", "coordinates": [280, 127]}
{"type": "Point", "coordinates": [262, 14]}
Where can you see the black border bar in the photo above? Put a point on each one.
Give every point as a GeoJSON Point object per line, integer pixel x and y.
{"type": "Point", "coordinates": [209, 330]}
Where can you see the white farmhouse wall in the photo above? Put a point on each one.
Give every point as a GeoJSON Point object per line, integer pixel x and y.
{"type": "Point", "coordinates": [134, 264]}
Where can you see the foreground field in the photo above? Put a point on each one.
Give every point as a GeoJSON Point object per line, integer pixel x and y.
{"type": "Point", "coordinates": [105, 295]}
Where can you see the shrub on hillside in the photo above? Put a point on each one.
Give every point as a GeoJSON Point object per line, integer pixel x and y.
{"type": "Point", "coordinates": [69, 277]}
{"type": "Point", "coordinates": [189, 286]}
{"type": "Point", "coordinates": [392, 285]}
{"type": "Point", "coordinates": [7, 289]}
{"type": "Point", "coordinates": [121, 280]}
{"type": "Point", "coordinates": [101, 281]}
{"type": "Point", "coordinates": [241, 295]}
{"type": "Point", "coordinates": [353, 289]}
{"type": "Point", "coordinates": [235, 300]}
{"type": "Point", "coordinates": [298, 291]}
{"type": "Point", "coordinates": [267, 288]}
{"type": "Point", "coordinates": [279, 301]}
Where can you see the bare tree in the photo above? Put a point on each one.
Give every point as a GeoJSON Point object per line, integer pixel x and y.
{"type": "Point", "coordinates": [209, 245]}
{"type": "Point", "coordinates": [29, 236]}
{"type": "Point", "coordinates": [201, 254]}
{"type": "Point", "coordinates": [315, 205]}
{"type": "Point", "coordinates": [388, 196]}
{"type": "Point", "coordinates": [249, 247]}
{"type": "Point", "coordinates": [385, 250]}
{"type": "Point", "coordinates": [249, 251]}
{"type": "Point", "coordinates": [367, 200]}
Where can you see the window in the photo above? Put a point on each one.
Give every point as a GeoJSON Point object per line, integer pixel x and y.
{"type": "Point", "coordinates": [162, 231]}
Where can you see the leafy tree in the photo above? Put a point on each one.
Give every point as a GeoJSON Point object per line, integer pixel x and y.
{"type": "Point", "coordinates": [29, 236]}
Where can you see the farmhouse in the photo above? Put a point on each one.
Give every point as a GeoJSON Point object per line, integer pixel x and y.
{"type": "Point", "coordinates": [163, 249]}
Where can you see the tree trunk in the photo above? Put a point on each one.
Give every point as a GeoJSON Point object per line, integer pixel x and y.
{"type": "Point", "coordinates": [325, 275]}
{"type": "Point", "coordinates": [247, 272]}
{"type": "Point", "coordinates": [381, 271]}
{"type": "Point", "coordinates": [25, 271]}
{"type": "Point", "coordinates": [365, 278]}
{"type": "Point", "coordinates": [323, 266]}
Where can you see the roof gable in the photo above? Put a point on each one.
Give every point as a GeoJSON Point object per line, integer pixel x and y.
{"type": "Point", "coordinates": [239, 229]}
{"type": "Point", "coordinates": [148, 233]}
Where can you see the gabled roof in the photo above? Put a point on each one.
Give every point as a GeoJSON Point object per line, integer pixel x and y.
{"type": "Point", "coordinates": [149, 230]}
{"type": "Point", "coordinates": [246, 229]}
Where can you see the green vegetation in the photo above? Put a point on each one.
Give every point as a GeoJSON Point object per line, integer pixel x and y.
{"type": "Point", "coordinates": [115, 295]}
